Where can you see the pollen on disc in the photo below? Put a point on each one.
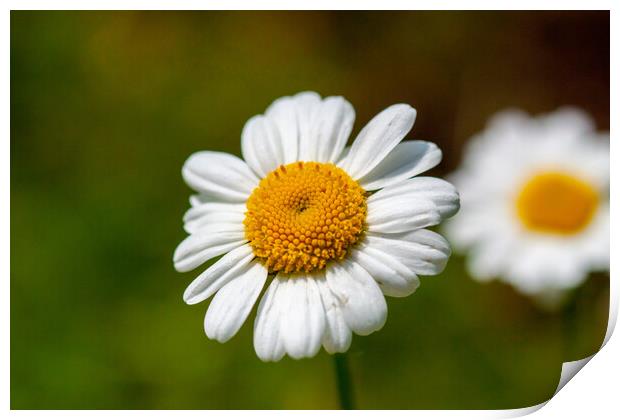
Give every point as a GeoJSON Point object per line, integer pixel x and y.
{"type": "Point", "coordinates": [304, 215]}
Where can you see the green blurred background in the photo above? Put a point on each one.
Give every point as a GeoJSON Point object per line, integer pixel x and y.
{"type": "Point", "coordinates": [105, 108]}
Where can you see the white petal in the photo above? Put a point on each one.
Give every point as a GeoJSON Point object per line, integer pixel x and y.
{"type": "Point", "coordinates": [363, 305]}
{"type": "Point", "coordinates": [394, 278]}
{"type": "Point", "coordinates": [401, 213]}
{"type": "Point", "coordinates": [567, 123]}
{"type": "Point", "coordinates": [539, 266]}
{"type": "Point", "coordinates": [488, 258]}
{"type": "Point", "coordinates": [216, 222]}
{"type": "Point", "coordinates": [477, 221]}
{"type": "Point", "coordinates": [330, 130]}
{"type": "Point", "coordinates": [220, 175]}
{"type": "Point", "coordinates": [342, 159]}
{"type": "Point", "coordinates": [293, 116]}
{"type": "Point", "coordinates": [303, 317]}
{"type": "Point", "coordinates": [213, 215]}
{"type": "Point", "coordinates": [422, 251]}
{"type": "Point", "coordinates": [441, 193]}
{"type": "Point", "coordinates": [218, 274]}
{"type": "Point", "coordinates": [219, 227]}
{"type": "Point", "coordinates": [199, 199]}
{"type": "Point", "coordinates": [337, 337]}
{"type": "Point", "coordinates": [378, 138]}
{"type": "Point", "coordinates": [407, 159]}
{"type": "Point", "coordinates": [592, 159]}
{"type": "Point", "coordinates": [261, 145]}
{"type": "Point", "coordinates": [267, 339]}
{"type": "Point", "coordinates": [308, 106]}
{"type": "Point", "coordinates": [232, 304]}
{"type": "Point", "coordinates": [595, 247]}
{"type": "Point", "coordinates": [202, 246]}
{"type": "Point", "coordinates": [202, 209]}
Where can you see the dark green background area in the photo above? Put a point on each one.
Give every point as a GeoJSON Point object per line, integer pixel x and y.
{"type": "Point", "coordinates": [105, 108]}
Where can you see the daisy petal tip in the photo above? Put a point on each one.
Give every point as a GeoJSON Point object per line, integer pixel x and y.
{"type": "Point", "coordinates": [337, 350]}
{"type": "Point", "coordinates": [457, 203]}
{"type": "Point", "coordinates": [435, 151]}
{"type": "Point", "coordinates": [179, 264]}
{"type": "Point", "coordinates": [212, 332]}
{"type": "Point", "coordinates": [362, 331]}
{"type": "Point", "coordinates": [405, 110]}
{"type": "Point", "coordinates": [306, 352]}
{"type": "Point", "coordinates": [402, 114]}
{"type": "Point", "coordinates": [190, 298]}
{"type": "Point", "coordinates": [307, 94]}
{"type": "Point", "coordinates": [267, 354]}
{"type": "Point", "coordinates": [454, 200]}
{"type": "Point", "coordinates": [191, 160]}
{"type": "Point", "coordinates": [177, 256]}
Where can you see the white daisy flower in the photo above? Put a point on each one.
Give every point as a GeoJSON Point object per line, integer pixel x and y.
{"type": "Point", "coordinates": [535, 197]}
{"type": "Point", "coordinates": [337, 228]}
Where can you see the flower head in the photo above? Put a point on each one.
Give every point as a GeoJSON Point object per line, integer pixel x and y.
{"type": "Point", "coordinates": [535, 201]}
{"type": "Point", "coordinates": [334, 228]}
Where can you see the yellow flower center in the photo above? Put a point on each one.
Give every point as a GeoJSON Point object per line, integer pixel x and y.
{"type": "Point", "coordinates": [304, 215]}
{"type": "Point", "coordinates": [555, 202]}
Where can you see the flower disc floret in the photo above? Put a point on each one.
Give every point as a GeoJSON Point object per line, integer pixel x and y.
{"type": "Point", "coordinates": [304, 215]}
{"type": "Point", "coordinates": [559, 203]}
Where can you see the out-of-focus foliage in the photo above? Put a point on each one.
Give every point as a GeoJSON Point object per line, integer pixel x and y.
{"type": "Point", "coordinates": [105, 107]}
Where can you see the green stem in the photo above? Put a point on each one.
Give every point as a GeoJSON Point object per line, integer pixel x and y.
{"type": "Point", "coordinates": [343, 377]}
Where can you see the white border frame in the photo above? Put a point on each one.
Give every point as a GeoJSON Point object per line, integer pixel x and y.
{"type": "Point", "coordinates": [594, 393]}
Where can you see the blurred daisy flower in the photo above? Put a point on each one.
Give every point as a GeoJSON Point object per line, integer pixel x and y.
{"type": "Point", "coordinates": [333, 228]}
{"type": "Point", "coordinates": [535, 194]}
